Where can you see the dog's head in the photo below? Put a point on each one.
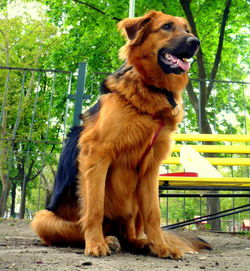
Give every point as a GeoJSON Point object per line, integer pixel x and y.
{"type": "Point", "coordinates": [158, 42]}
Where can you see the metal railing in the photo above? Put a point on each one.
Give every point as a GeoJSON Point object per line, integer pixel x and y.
{"type": "Point", "coordinates": [36, 113]}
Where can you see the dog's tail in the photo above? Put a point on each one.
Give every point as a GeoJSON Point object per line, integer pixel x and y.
{"type": "Point", "coordinates": [188, 243]}
{"type": "Point", "coordinates": [55, 230]}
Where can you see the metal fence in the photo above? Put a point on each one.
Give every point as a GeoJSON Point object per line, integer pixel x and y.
{"type": "Point", "coordinates": [36, 113]}
{"type": "Point", "coordinates": [228, 112]}
{"type": "Point", "coordinates": [37, 110]}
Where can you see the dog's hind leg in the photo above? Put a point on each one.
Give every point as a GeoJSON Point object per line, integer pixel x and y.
{"type": "Point", "coordinates": [55, 230]}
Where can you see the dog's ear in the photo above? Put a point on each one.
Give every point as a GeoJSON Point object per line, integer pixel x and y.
{"type": "Point", "coordinates": [131, 26]}
{"type": "Point", "coordinates": [135, 30]}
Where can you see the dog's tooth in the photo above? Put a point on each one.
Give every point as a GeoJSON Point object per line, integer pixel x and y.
{"type": "Point", "coordinates": [190, 60]}
{"type": "Point", "coordinates": [167, 56]}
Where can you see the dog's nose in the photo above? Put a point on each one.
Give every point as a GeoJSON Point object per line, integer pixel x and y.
{"type": "Point", "coordinates": [193, 42]}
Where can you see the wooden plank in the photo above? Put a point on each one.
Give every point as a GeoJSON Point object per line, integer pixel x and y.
{"type": "Point", "coordinates": [201, 181]}
{"type": "Point", "coordinates": [206, 179]}
{"type": "Point", "coordinates": [215, 161]}
{"type": "Point", "coordinates": [211, 137]}
{"type": "Point", "coordinates": [216, 148]}
{"type": "Point", "coordinates": [194, 184]}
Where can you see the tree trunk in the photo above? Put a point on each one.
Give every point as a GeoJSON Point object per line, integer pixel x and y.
{"type": "Point", "coordinates": [48, 197]}
{"type": "Point", "coordinates": [213, 204]}
{"type": "Point", "coordinates": [47, 187]}
{"type": "Point", "coordinates": [199, 104]}
{"type": "Point", "coordinates": [23, 199]}
{"type": "Point", "coordinates": [6, 184]}
{"type": "Point", "coordinates": [13, 200]}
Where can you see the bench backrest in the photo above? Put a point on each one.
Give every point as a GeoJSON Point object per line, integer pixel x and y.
{"type": "Point", "coordinates": [234, 144]}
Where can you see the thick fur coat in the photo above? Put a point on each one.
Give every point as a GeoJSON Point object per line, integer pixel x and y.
{"type": "Point", "coordinates": [106, 189]}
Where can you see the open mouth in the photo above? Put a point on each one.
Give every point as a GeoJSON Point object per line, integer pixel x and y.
{"type": "Point", "coordinates": [174, 64]}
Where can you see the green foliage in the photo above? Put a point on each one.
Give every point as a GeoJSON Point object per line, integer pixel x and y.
{"type": "Point", "coordinates": [40, 119]}
{"type": "Point", "coordinates": [71, 32]}
{"type": "Point", "coordinates": [26, 42]}
{"type": "Point", "coordinates": [92, 36]}
{"type": "Point", "coordinates": [89, 34]}
{"type": "Point", "coordinates": [3, 4]}
{"type": "Point", "coordinates": [180, 209]}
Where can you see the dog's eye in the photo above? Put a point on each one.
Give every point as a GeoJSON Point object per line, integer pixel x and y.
{"type": "Point", "coordinates": [167, 26]}
{"type": "Point", "coordinates": [187, 31]}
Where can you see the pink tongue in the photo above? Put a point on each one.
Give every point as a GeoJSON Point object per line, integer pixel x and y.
{"type": "Point", "coordinates": [182, 64]}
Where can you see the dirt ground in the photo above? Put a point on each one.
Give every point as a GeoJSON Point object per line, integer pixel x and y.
{"type": "Point", "coordinates": [20, 249]}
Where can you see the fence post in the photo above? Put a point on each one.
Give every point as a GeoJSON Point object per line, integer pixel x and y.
{"type": "Point", "coordinates": [131, 8]}
{"type": "Point", "coordinates": [79, 95]}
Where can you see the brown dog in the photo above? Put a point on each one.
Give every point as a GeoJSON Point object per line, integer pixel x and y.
{"type": "Point", "coordinates": [107, 179]}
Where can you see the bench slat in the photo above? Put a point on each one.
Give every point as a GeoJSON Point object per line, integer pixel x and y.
{"type": "Point", "coordinates": [201, 181]}
{"type": "Point", "coordinates": [215, 161]}
{"type": "Point", "coordinates": [216, 148]}
{"type": "Point", "coordinates": [211, 137]}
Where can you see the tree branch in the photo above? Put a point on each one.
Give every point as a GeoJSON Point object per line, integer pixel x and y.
{"type": "Point", "coordinates": [200, 60]}
{"type": "Point", "coordinates": [24, 36]}
{"type": "Point", "coordinates": [219, 48]}
{"type": "Point", "coordinates": [200, 8]}
{"type": "Point", "coordinates": [209, 32]}
{"type": "Point", "coordinates": [1, 31]}
{"type": "Point", "coordinates": [96, 9]}
{"type": "Point", "coordinates": [53, 171]}
{"type": "Point", "coordinates": [202, 114]}
{"type": "Point", "coordinates": [29, 177]}
{"type": "Point", "coordinates": [192, 97]}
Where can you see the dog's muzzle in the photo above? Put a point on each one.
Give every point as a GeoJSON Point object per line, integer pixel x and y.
{"type": "Point", "coordinates": [178, 57]}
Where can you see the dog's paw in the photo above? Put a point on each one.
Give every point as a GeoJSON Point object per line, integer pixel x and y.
{"type": "Point", "coordinates": [113, 243]}
{"type": "Point", "coordinates": [176, 254]}
{"type": "Point", "coordinates": [97, 250]}
{"type": "Point", "coordinates": [166, 252]}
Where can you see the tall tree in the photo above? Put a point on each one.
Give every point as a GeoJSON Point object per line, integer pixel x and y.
{"type": "Point", "coordinates": [25, 42]}
{"type": "Point", "coordinates": [85, 30]}
{"type": "Point", "coordinates": [205, 90]}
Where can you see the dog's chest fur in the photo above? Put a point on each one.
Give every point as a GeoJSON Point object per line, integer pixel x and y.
{"type": "Point", "coordinates": [125, 140]}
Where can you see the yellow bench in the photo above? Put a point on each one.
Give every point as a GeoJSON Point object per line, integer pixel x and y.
{"type": "Point", "coordinates": [232, 144]}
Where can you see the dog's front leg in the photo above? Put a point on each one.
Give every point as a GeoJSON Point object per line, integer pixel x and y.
{"type": "Point", "coordinates": [92, 177]}
{"type": "Point", "coordinates": [149, 203]}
